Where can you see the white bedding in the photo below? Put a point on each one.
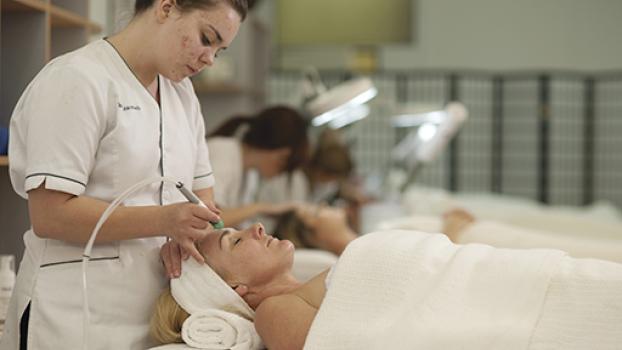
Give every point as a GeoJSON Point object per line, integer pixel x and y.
{"type": "Point", "coordinates": [600, 220]}
{"type": "Point", "coordinates": [411, 290]}
{"type": "Point", "coordinates": [503, 235]}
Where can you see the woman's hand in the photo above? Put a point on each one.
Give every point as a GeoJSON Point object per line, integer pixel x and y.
{"type": "Point", "coordinates": [171, 255]}
{"type": "Point", "coordinates": [186, 223]}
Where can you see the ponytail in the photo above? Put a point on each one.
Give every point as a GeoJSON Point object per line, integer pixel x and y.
{"type": "Point", "coordinates": [272, 128]}
{"type": "Point", "coordinates": [231, 126]}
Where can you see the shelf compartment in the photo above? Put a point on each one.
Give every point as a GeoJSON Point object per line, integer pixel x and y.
{"type": "Point", "coordinates": [62, 18]}
{"type": "Point", "coordinates": [79, 7]}
{"type": "Point", "coordinates": [4, 160]}
{"type": "Point", "coordinates": [21, 59]}
{"type": "Point", "coordinates": [24, 5]}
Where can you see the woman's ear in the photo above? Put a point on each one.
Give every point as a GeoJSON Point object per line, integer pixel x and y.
{"type": "Point", "coordinates": [241, 289]}
{"type": "Point", "coordinates": [164, 8]}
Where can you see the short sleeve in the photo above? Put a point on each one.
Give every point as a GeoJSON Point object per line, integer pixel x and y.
{"type": "Point", "coordinates": [59, 126]}
{"type": "Point", "coordinates": [203, 174]}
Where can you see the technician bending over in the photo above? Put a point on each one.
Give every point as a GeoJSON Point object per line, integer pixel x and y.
{"type": "Point", "coordinates": [273, 142]}
{"type": "Point", "coordinates": [92, 123]}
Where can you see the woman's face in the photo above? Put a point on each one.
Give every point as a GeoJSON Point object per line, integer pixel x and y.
{"type": "Point", "coordinates": [190, 41]}
{"type": "Point", "coordinates": [273, 162]}
{"type": "Point", "coordinates": [248, 256]}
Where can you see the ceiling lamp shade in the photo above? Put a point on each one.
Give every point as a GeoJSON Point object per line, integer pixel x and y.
{"type": "Point", "coordinates": [434, 130]}
{"type": "Point", "coordinates": [340, 105]}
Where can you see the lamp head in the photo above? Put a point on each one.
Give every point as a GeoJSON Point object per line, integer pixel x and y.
{"type": "Point", "coordinates": [340, 105]}
{"type": "Point", "coordinates": [434, 129]}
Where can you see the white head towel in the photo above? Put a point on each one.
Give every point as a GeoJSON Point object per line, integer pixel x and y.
{"type": "Point", "coordinates": [219, 317]}
{"type": "Point", "coordinates": [199, 288]}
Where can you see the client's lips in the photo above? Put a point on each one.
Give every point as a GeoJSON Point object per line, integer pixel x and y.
{"type": "Point", "coordinates": [194, 71]}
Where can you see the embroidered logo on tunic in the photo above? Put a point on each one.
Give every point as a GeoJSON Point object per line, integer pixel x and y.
{"type": "Point", "coordinates": [127, 108]}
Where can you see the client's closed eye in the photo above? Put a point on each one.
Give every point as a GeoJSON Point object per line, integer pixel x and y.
{"type": "Point", "coordinates": [238, 240]}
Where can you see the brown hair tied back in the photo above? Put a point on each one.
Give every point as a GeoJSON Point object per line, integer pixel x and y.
{"type": "Point", "coordinates": [240, 6]}
{"type": "Point", "coordinates": [273, 128]}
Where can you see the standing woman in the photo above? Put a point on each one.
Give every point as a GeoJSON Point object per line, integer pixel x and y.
{"type": "Point", "coordinates": [92, 123]}
{"type": "Point", "coordinates": [271, 143]}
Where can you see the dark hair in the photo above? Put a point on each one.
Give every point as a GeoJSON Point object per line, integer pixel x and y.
{"type": "Point", "coordinates": [290, 227]}
{"type": "Point", "coordinates": [240, 6]}
{"type": "Point", "coordinates": [273, 128]}
{"type": "Point", "coordinates": [331, 155]}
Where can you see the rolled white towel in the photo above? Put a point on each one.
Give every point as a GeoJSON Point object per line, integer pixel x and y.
{"type": "Point", "coordinates": [217, 329]}
{"type": "Point", "coordinates": [172, 347]}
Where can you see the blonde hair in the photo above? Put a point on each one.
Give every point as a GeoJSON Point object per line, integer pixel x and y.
{"type": "Point", "coordinates": [167, 319]}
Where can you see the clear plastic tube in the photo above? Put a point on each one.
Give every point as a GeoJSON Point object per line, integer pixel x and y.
{"type": "Point", "coordinates": [86, 255]}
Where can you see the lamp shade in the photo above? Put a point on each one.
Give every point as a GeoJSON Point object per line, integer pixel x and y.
{"type": "Point", "coordinates": [341, 99]}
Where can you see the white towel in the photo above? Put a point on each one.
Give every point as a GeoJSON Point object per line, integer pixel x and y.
{"type": "Point", "coordinates": [216, 330]}
{"type": "Point", "coordinates": [178, 346]}
{"type": "Point", "coordinates": [412, 290]}
{"type": "Point", "coordinates": [199, 288]}
{"type": "Point", "coordinates": [502, 235]}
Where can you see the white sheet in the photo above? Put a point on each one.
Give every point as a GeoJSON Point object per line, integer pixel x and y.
{"type": "Point", "coordinates": [503, 235]}
{"type": "Point", "coordinates": [600, 220]}
{"type": "Point", "coordinates": [405, 289]}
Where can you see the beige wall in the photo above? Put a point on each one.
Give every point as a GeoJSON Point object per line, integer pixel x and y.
{"type": "Point", "coordinates": [496, 34]}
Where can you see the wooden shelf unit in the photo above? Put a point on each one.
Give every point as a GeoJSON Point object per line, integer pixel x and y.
{"type": "Point", "coordinates": [32, 32]}
{"type": "Point", "coordinates": [63, 18]}
{"type": "Point", "coordinates": [23, 5]}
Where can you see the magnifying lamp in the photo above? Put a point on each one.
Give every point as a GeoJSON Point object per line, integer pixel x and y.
{"type": "Point", "coordinates": [340, 105]}
{"type": "Point", "coordinates": [431, 132]}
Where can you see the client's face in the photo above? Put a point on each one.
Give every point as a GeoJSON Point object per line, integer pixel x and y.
{"type": "Point", "coordinates": [248, 256]}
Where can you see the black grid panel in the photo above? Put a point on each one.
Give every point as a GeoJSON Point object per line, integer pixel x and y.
{"type": "Point", "coordinates": [553, 137]}
{"type": "Point", "coordinates": [608, 141]}
{"type": "Point", "coordinates": [567, 141]}
{"type": "Point", "coordinates": [474, 143]}
{"type": "Point", "coordinates": [519, 163]}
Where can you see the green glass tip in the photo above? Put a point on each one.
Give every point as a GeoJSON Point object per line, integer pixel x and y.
{"type": "Point", "coordinates": [218, 224]}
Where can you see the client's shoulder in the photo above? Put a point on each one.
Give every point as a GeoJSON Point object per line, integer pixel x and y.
{"type": "Point", "coordinates": [283, 321]}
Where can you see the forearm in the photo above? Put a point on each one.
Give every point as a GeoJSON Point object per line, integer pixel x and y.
{"type": "Point", "coordinates": [205, 195]}
{"type": "Point", "coordinates": [73, 218]}
{"type": "Point", "coordinates": [235, 216]}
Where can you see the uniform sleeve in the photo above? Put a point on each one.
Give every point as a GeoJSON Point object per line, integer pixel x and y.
{"type": "Point", "coordinates": [203, 173]}
{"type": "Point", "coordinates": [64, 120]}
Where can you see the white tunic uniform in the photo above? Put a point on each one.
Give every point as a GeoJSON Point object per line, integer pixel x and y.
{"type": "Point", "coordinates": [226, 156]}
{"type": "Point", "coordinates": [86, 126]}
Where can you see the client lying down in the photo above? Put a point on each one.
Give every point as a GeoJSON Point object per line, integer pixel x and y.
{"type": "Point", "coordinates": [390, 290]}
